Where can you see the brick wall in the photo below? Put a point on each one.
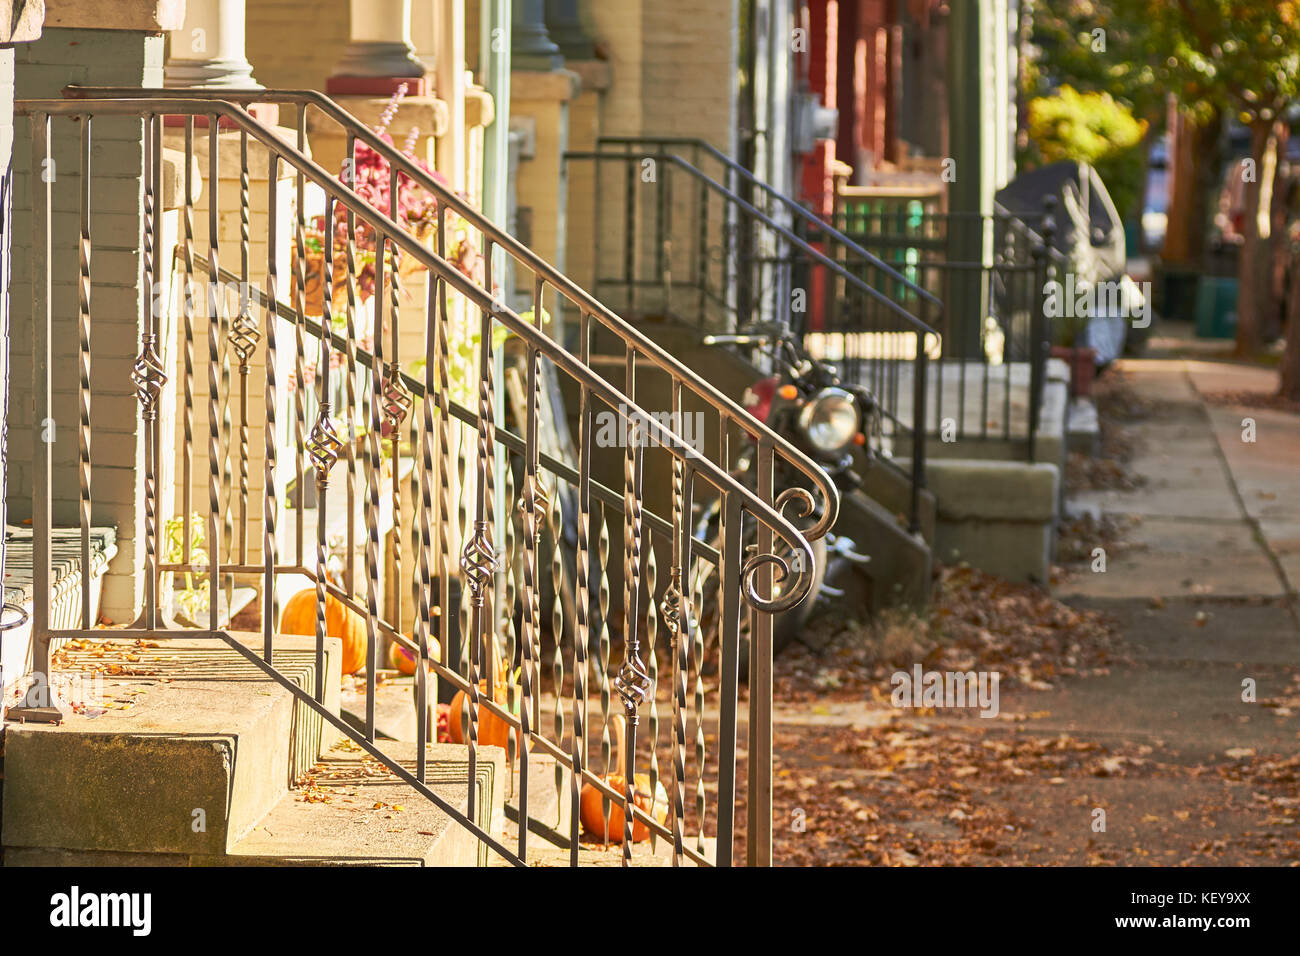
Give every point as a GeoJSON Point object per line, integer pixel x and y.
{"type": "Point", "coordinates": [294, 45]}
{"type": "Point", "coordinates": [673, 67]}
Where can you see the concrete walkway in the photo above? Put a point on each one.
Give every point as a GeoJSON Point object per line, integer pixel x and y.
{"type": "Point", "coordinates": [1220, 515]}
{"type": "Point", "coordinates": [1202, 587]}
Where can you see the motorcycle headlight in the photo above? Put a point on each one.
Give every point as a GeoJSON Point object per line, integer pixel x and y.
{"type": "Point", "coordinates": [830, 420]}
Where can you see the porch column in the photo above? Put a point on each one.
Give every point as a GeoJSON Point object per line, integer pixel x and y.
{"type": "Point", "coordinates": [379, 56]}
{"type": "Point", "coordinates": [566, 30]}
{"type": "Point", "coordinates": [208, 49]}
{"type": "Point", "coordinates": [531, 47]}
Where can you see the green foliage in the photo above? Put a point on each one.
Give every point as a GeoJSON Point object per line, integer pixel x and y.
{"type": "Point", "coordinates": [193, 598]}
{"type": "Point", "coordinates": [1097, 46]}
{"type": "Point", "coordinates": [1092, 128]}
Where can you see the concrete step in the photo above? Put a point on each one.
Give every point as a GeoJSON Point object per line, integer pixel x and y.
{"type": "Point", "coordinates": [899, 570]}
{"type": "Point", "coordinates": [549, 803]}
{"type": "Point", "coordinates": [177, 746]}
{"type": "Point", "coordinates": [596, 854]}
{"type": "Point", "coordinates": [350, 811]}
{"type": "Point", "coordinates": [889, 484]}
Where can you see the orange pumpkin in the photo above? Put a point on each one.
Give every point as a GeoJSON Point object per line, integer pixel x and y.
{"type": "Point", "coordinates": [491, 728]}
{"type": "Point", "coordinates": [592, 812]}
{"type": "Point", "coordinates": [403, 661]}
{"type": "Point", "coordinates": [591, 806]}
{"type": "Point", "coordinates": [299, 617]}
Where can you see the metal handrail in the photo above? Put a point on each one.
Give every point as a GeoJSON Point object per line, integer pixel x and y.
{"type": "Point", "coordinates": [741, 577]}
{"type": "Point", "coordinates": [798, 208]}
{"type": "Point", "coordinates": [917, 325]}
{"type": "Point", "coordinates": [526, 331]}
{"type": "Point", "coordinates": [586, 302]}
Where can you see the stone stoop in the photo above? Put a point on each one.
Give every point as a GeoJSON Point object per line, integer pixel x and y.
{"type": "Point", "coordinates": [190, 725]}
{"type": "Point", "coordinates": [549, 805]}
{"type": "Point", "coordinates": [352, 812]}
{"type": "Point", "coordinates": [899, 572]}
{"type": "Point", "coordinates": [550, 814]}
{"type": "Point", "coordinates": [189, 745]}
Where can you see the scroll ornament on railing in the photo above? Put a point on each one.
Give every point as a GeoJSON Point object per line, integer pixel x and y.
{"type": "Point", "coordinates": [671, 605]}
{"type": "Point", "coordinates": [396, 400]}
{"type": "Point", "coordinates": [323, 445]}
{"type": "Point", "coordinates": [802, 565]}
{"type": "Point", "coordinates": [148, 376]}
{"type": "Point", "coordinates": [244, 336]}
{"type": "Point", "coordinates": [633, 683]}
{"type": "Point", "coordinates": [479, 561]}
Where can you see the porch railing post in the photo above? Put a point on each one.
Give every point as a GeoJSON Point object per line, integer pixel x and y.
{"type": "Point", "coordinates": [919, 395]}
{"type": "Point", "coordinates": [758, 845]}
{"type": "Point", "coordinates": [42, 474]}
{"type": "Point", "coordinates": [1040, 331]}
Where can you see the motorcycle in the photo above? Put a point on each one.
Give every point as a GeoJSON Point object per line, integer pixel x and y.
{"type": "Point", "coordinates": [806, 402]}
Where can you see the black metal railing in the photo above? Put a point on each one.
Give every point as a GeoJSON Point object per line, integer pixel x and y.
{"type": "Point", "coordinates": [722, 249]}
{"type": "Point", "coordinates": [994, 272]}
{"type": "Point", "coordinates": [403, 382]}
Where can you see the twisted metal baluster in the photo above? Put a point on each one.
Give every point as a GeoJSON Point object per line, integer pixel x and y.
{"type": "Point", "coordinates": [697, 604]}
{"type": "Point", "coordinates": [227, 431]}
{"type": "Point", "coordinates": [633, 683]}
{"type": "Point", "coordinates": [379, 412]}
{"type": "Point", "coordinates": [415, 495]}
{"type": "Point", "coordinates": [509, 635]}
{"type": "Point", "coordinates": [350, 378]}
{"type": "Point", "coordinates": [324, 444]}
{"type": "Point", "coordinates": [602, 672]}
{"type": "Point", "coordinates": [532, 504]}
{"type": "Point", "coordinates": [83, 368]}
{"type": "Point", "coordinates": [299, 358]}
{"type": "Point", "coordinates": [557, 627]}
{"type": "Point", "coordinates": [214, 337]}
{"type": "Point", "coordinates": [582, 632]}
{"type": "Point", "coordinates": [479, 559]}
{"type": "Point", "coordinates": [243, 338]}
{"type": "Point", "coordinates": [148, 376]}
{"type": "Point", "coordinates": [652, 673]}
{"type": "Point", "coordinates": [445, 513]}
{"type": "Point", "coordinates": [423, 613]}
{"type": "Point", "coordinates": [676, 612]}
{"type": "Point", "coordinates": [271, 605]}
{"type": "Point", "coordinates": [187, 316]}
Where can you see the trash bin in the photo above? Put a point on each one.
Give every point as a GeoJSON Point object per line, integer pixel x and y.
{"type": "Point", "coordinates": [1216, 307]}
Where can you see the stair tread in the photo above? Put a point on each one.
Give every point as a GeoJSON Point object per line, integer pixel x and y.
{"type": "Point", "coordinates": [349, 810]}
{"type": "Point", "coordinates": [184, 724]}
{"type": "Point", "coordinates": [596, 854]}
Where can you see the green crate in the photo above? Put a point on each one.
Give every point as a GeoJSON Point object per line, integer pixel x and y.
{"type": "Point", "coordinates": [1216, 307]}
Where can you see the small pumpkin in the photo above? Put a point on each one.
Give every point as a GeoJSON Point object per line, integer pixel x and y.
{"type": "Point", "coordinates": [402, 660]}
{"type": "Point", "coordinates": [591, 801]}
{"type": "Point", "coordinates": [492, 729]}
{"type": "Point", "coordinates": [592, 810]}
{"type": "Point", "coordinates": [299, 617]}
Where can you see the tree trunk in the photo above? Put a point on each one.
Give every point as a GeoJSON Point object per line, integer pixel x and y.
{"type": "Point", "coordinates": [1195, 165]}
{"type": "Point", "coordinates": [1290, 379]}
{"type": "Point", "coordinates": [1253, 270]}
{"type": "Point", "coordinates": [1279, 247]}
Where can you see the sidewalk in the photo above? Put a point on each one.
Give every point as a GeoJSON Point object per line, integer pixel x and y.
{"type": "Point", "coordinates": [1188, 769]}
{"type": "Point", "coordinates": [1220, 517]}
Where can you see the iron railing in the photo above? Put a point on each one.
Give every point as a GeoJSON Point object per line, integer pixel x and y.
{"type": "Point", "coordinates": [732, 250]}
{"type": "Point", "coordinates": [440, 421]}
{"type": "Point", "coordinates": [994, 270]}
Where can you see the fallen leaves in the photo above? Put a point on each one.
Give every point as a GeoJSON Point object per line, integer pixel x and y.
{"type": "Point", "coordinates": [976, 622]}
